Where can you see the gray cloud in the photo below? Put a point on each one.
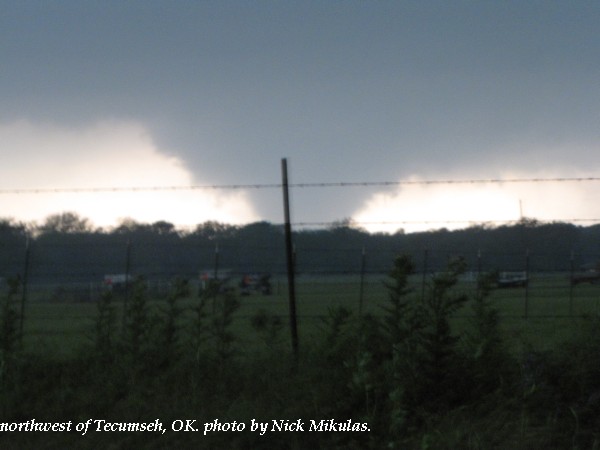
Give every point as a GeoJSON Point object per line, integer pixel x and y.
{"type": "Point", "coordinates": [349, 91]}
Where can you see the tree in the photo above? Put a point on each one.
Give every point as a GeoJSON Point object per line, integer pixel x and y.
{"type": "Point", "coordinates": [163, 228]}
{"type": "Point", "coordinates": [66, 222]}
{"type": "Point", "coordinates": [8, 228]}
{"type": "Point", "coordinates": [127, 225]}
{"type": "Point", "coordinates": [400, 310]}
{"type": "Point", "coordinates": [440, 365]}
{"type": "Point", "coordinates": [346, 225]}
{"type": "Point", "coordinates": [213, 230]}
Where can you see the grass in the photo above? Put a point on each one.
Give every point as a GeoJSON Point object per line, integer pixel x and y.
{"type": "Point", "coordinates": [61, 327]}
{"type": "Point", "coordinates": [466, 394]}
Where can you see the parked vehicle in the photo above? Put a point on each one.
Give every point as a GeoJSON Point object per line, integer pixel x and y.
{"type": "Point", "coordinates": [117, 282]}
{"type": "Point", "coordinates": [255, 283]}
{"type": "Point", "coordinates": [512, 279]}
{"type": "Point", "coordinates": [592, 276]}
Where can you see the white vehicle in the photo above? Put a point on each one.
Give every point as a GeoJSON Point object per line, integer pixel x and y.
{"type": "Point", "coordinates": [512, 279]}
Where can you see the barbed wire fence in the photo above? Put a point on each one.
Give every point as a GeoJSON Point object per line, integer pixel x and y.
{"type": "Point", "coordinates": [537, 293]}
{"type": "Point", "coordinates": [51, 301]}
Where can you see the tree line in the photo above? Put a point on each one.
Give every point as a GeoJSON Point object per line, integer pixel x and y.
{"type": "Point", "coordinates": [67, 247]}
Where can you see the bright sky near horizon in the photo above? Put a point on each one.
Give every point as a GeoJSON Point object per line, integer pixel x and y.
{"type": "Point", "coordinates": [156, 93]}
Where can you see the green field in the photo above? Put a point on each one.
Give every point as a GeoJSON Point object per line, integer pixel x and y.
{"type": "Point", "coordinates": [528, 386]}
{"type": "Point", "coordinates": [545, 313]}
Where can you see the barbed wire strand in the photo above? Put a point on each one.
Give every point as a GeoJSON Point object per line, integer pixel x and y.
{"type": "Point", "coordinates": [341, 184]}
{"type": "Point", "coordinates": [440, 222]}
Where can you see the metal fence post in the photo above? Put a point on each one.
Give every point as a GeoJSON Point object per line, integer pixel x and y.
{"type": "Point", "coordinates": [127, 270]}
{"type": "Point", "coordinates": [362, 281]}
{"type": "Point", "coordinates": [24, 288]}
{"type": "Point", "coordinates": [290, 258]}
{"type": "Point", "coordinates": [424, 279]}
{"type": "Point", "coordinates": [527, 284]}
{"type": "Point", "coordinates": [571, 278]}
